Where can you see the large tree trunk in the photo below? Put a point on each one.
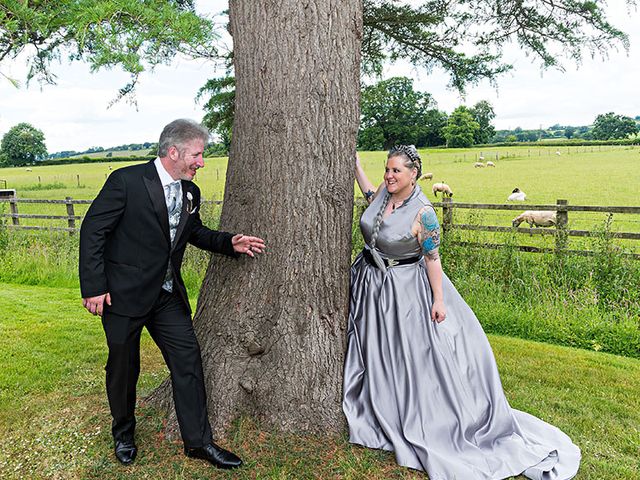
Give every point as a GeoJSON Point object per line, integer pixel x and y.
{"type": "Point", "coordinates": [272, 329]}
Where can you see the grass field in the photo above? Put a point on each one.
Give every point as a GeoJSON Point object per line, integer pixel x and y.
{"type": "Point", "coordinates": [605, 175]}
{"type": "Point", "coordinates": [54, 420]}
{"type": "Point", "coordinates": [599, 175]}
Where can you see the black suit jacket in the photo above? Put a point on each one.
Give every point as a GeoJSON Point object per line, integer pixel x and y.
{"type": "Point", "coordinates": [125, 245]}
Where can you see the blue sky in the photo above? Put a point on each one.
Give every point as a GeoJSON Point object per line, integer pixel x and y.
{"type": "Point", "coordinates": [74, 114]}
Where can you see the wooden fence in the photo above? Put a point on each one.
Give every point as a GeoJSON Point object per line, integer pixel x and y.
{"type": "Point", "coordinates": [70, 218]}
{"type": "Point", "coordinates": [561, 232]}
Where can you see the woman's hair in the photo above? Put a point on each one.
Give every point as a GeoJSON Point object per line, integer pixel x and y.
{"type": "Point", "coordinates": [378, 220]}
{"type": "Point", "coordinates": [410, 155]}
{"type": "Point", "coordinates": [178, 133]}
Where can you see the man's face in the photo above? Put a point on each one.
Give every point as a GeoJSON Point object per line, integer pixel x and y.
{"type": "Point", "coordinates": [186, 159]}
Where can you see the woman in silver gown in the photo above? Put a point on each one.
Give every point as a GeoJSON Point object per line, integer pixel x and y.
{"type": "Point", "coordinates": [420, 378]}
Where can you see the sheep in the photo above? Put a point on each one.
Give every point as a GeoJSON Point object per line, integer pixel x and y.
{"type": "Point", "coordinates": [479, 165]}
{"type": "Point", "coordinates": [481, 158]}
{"type": "Point", "coordinates": [442, 187]}
{"type": "Point", "coordinates": [558, 152]}
{"type": "Point", "coordinates": [491, 164]}
{"type": "Point", "coordinates": [517, 196]}
{"type": "Point", "coordinates": [426, 176]}
{"type": "Point", "coordinates": [29, 170]}
{"type": "Point", "coordinates": [536, 218]}
{"type": "Point", "coordinates": [110, 167]}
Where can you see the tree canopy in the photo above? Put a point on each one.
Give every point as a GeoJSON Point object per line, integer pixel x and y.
{"type": "Point", "coordinates": [482, 112]}
{"type": "Point", "coordinates": [219, 107]}
{"type": "Point", "coordinates": [610, 126]}
{"type": "Point", "coordinates": [21, 145]}
{"type": "Point", "coordinates": [461, 128]}
{"type": "Point", "coordinates": [104, 33]}
{"type": "Point", "coordinates": [438, 33]}
{"type": "Point", "coordinates": [392, 112]}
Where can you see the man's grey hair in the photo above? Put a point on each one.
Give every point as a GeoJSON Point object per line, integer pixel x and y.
{"type": "Point", "coordinates": [180, 132]}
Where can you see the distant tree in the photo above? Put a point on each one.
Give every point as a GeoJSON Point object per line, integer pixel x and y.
{"type": "Point", "coordinates": [611, 126]}
{"type": "Point", "coordinates": [430, 133]}
{"type": "Point", "coordinates": [392, 111]}
{"type": "Point", "coordinates": [371, 138]}
{"type": "Point", "coordinates": [461, 128]}
{"type": "Point", "coordinates": [531, 135]}
{"type": "Point", "coordinates": [109, 154]}
{"type": "Point", "coordinates": [219, 107]}
{"type": "Point", "coordinates": [483, 114]}
{"type": "Point", "coordinates": [216, 150]}
{"type": "Point", "coordinates": [569, 132]}
{"type": "Point", "coordinates": [23, 144]}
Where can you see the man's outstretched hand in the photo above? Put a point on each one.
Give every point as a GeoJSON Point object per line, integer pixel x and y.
{"type": "Point", "coordinates": [247, 244]}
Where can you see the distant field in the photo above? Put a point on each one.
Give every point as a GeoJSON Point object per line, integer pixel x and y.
{"type": "Point", "coordinates": [598, 175]}
{"type": "Point", "coordinates": [114, 153]}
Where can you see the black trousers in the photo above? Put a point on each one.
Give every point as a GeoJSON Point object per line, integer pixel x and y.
{"type": "Point", "coordinates": [169, 324]}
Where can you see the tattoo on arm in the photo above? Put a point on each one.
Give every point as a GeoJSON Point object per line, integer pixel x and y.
{"type": "Point", "coordinates": [429, 233]}
{"type": "Point", "coordinates": [368, 195]}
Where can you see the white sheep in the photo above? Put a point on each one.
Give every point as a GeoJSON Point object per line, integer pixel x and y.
{"type": "Point", "coordinates": [29, 170]}
{"type": "Point", "coordinates": [491, 164]}
{"type": "Point", "coordinates": [517, 196]}
{"type": "Point", "coordinates": [536, 218]}
{"type": "Point", "coordinates": [479, 165]}
{"type": "Point", "coordinates": [442, 187]}
{"type": "Point", "coordinates": [481, 158]}
{"type": "Point", "coordinates": [558, 152]}
{"type": "Point", "coordinates": [426, 176]}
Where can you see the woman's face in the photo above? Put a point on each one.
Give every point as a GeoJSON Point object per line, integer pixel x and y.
{"type": "Point", "coordinates": [398, 178]}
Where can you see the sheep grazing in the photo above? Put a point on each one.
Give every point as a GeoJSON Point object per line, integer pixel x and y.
{"type": "Point", "coordinates": [517, 196]}
{"type": "Point", "coordinates": [558, 152]}
{"type": "Point", "coordinates": [479, 165]}
{"type": "Point", "coordinates": [426, 176]}
{"type": "Point", "coordinates": [442, 187]}
{"type": "Point", "coordinates": [110, 167]}
{"type": "Point", "coordinates": [481, 158]}
{"type": "Point", "coordinates": [491, 164]}
{"type": "Point", "coordinates": [536, 218]}
{"type": "Point", "coordinates": [29, 170]}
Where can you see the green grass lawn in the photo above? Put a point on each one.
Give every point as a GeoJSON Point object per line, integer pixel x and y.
{"type": "Point", "coordinates": [54, 420]}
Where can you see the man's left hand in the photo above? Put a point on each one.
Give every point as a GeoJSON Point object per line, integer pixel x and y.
{"type": "Point", "coordinates": [247, 244]}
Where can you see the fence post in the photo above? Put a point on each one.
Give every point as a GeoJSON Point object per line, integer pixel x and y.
{"type": "Point", "coordinates": [71, 221]}
{"type": "Point", "coordinates": [562, 220]}
{"type": "Point", "coordinates": [13, 203]}
{"type": "Point", "coordinates": [447, 214]}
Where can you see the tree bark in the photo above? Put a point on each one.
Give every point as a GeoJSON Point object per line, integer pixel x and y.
{"type": "Point", "coordinates": [272, 329]}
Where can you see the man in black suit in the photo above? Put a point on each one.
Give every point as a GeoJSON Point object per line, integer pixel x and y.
{"type": "Point", "coordinates": [132, 242]}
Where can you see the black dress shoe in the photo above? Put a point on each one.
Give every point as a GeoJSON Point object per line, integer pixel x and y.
{"type": "Point", "coordinates": [126, 451]}
{"type": "Point", "coordinates": [215, 455]}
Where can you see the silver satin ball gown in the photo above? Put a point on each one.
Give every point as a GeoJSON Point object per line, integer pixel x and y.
{"type": "Point", "coordinates": [429, 392]}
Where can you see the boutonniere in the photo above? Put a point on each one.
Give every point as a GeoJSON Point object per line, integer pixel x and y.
{"type": "Point", "coordinates": [190, 208]}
